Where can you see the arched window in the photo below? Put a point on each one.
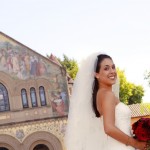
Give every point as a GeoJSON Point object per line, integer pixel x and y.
{"type": "Point", "coordinates": [33, 97]}
{"type": "Point", "coordinates": [4, 99]}
{"type": "Point", "coordinates": [24, 98]}
{"type": "Point", "coordinates": [42, 96]}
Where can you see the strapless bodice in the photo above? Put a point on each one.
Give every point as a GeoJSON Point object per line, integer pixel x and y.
{"type": "Point", "coordinates": [123, 118]}
{"type": "Point", "coordinates": [123, 122]}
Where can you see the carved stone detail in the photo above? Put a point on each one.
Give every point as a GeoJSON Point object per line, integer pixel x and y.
{"type": "Point", "coordinates": [21, 131]}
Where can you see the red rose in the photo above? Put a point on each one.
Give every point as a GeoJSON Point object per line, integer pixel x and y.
{"type": "Point", "coordinates": [141, 129]}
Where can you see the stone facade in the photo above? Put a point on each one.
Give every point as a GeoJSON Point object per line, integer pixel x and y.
{"type": "Point", "coordinates": [25, 136]}
{"type": "Point", "coordinates": [33, 99]}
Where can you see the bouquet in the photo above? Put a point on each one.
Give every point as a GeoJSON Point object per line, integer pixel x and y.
{"type": "Point", "coordinates": [141, 130]}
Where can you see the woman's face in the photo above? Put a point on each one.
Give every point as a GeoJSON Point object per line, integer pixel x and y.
{"type": "Point", "coordinates": [107, 73]}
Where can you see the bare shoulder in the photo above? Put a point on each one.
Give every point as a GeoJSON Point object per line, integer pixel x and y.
{"type": "Point", "coordinates": [105, 96]}
{"type": "Point", "coordinates": [106, 102]}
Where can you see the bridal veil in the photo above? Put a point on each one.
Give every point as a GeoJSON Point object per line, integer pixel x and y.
{"type": "Point", "coordinates": [83, 128]}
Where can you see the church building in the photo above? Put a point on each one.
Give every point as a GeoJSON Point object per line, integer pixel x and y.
{"type": "Point", "coordinates": [34, 99]}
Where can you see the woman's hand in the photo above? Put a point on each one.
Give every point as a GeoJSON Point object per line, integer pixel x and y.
{"type": "Point", "coordinates": [141, 145]}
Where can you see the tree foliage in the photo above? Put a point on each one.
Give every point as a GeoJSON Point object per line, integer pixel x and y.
{"type": "Point", "coordinates": [71, 65]}
{"type": "Point", "coordinates": [129, 92]}
{"type": "Point", "coordinates": [137, 94]}
{"type": "Point", "coordinates": [125, 87]}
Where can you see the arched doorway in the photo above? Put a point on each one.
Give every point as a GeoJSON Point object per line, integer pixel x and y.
{"type": "Point", "coordinates": [41, 147]}
{"type": "Point", "coordinates": [42, 139]}
{"type": "Point", "coordinates": [3, 148]}
{"type": "Point", "coordinates": [8, 142]}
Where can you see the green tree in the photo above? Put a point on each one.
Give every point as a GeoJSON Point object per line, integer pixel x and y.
{"type": "Point", "coordinates": [125, 87]}
{"type": "Point", "coordinates": [129, 92]}
{"type": "Point", "coordinates": [137, 94]}
{"type": "Point", "coordinates": [71, 65]}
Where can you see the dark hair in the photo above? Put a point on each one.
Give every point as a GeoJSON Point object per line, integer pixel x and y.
{"type": "Point", "coordinates": [100, 58]}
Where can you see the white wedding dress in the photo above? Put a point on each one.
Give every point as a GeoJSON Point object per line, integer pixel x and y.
{"type": "Point", "coordinates": [105, 142]}
{"type": "Point", "coordinates": [123, 122]}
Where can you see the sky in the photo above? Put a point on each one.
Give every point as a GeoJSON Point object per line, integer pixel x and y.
{"type": "Point", "coordinates": [76, 28]}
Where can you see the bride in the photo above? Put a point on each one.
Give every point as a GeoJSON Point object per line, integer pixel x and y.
{"type": "Point", "coordinates": [97, 120]}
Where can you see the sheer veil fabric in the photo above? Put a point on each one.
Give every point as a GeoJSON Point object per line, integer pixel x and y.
{"type": "Point", "coordinates": [83, 128]}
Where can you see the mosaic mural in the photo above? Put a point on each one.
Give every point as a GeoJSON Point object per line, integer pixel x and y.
{"type": "Point", "coordinates": [23, 64]}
